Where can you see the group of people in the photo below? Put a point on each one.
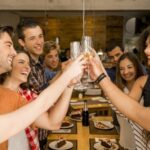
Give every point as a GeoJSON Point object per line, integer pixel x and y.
{"type": "Point", "coordinates": [27, 67]}
{"type": "Point", "coordinates": [133, 82]}
{"type": "Point", "coordinates": [28, 102]}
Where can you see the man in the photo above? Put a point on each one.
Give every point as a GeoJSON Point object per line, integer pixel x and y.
{"type": "Point", "coordinates": [7, 51]}
{"type": "Point", "coordinates": [31, 38]}
{"type": "Point", "coordinates": [114, 51]}
{"type": "Point", "coordinates": [51, 59]}
{"type": "Point", "coordinates": [37, 107]}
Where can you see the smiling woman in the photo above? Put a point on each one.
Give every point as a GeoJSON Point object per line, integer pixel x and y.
{"type": "Point", "coordinates": [14, 80]}
{"type": "Point", "coordinates": [20, 70]}
{"type": "Point", "coordinates": [124, 103]}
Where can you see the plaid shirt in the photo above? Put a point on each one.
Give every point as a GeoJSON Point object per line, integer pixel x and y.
{"type": "Point", "coordinates": [37, 79]}
{"type": "Point", "coordinates": [38, 82]}
{"type": "Point", "coordinates": [32, 134]}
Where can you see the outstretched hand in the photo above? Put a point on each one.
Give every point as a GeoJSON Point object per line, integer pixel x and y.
{"type": "Point", "coordinates": [76, 67]}
{"type": "Point", "coordinates": [95, 66]}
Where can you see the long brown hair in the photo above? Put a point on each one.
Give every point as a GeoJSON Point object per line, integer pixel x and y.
{"type": "Point", "coordinates": [120, 82]}
{"type": "Point", "coordinates": [5, 75]}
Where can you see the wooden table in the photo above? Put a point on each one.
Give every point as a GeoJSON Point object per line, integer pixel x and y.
{"type": "Point", "coordinates": [102, 107]}
{"type": "Point", "coordinates": [83, 135]}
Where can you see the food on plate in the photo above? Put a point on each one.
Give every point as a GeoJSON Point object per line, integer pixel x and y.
{"type": "Point", "coordinates": [103, 125]}
{"type": "Point", "coordinates": [106, 144]}
{"type": "Point", "coordinates": [61, 142]}
{"type": "Point", "coordinates": [76, 115]}
{"type": "Point", "coordinates": [65, 124]}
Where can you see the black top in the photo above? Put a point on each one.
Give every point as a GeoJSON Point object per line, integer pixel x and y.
{"type": "Point", "coordinates": [146, 93]}
{"type": "Point", "coordinates": [111, 73]}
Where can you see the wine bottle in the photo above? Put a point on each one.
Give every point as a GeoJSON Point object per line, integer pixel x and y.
{"type": "Point", "coordinates": [85, 115]}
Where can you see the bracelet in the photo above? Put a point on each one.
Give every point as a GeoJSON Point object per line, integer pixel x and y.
{"type": "Point", "coordinates": [100, 78]}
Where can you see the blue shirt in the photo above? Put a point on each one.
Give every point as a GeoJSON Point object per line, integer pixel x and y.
{"type": "Point", "coordinates": [49, 74]}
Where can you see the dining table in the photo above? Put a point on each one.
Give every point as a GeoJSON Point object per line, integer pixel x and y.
{"type": "Point", "coordinates": [83, 134]}
{"type": "Point", "coordinates": [83, 137]}
{"type": "Point", "coordinates": [96, 103]}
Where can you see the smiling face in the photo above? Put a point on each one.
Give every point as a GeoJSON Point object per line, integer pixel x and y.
{"type": "Point", "coordinates": [127, 70]}
{"type": "Point", "coordinates": [20, 68]}
{"type": "Point", "coordinates": [52, 59]}
{"type": "Point", "coordinates": [7, 52]}
{"type": "Point", "coordinates": [33, 41]}
{"type": "Point", "coordinates": [147, 50]}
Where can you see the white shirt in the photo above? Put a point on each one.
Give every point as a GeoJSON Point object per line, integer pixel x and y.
{"type": "Point", "coordinates": [19, 142]}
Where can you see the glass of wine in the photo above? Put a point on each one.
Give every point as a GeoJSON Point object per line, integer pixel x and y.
{"type": "Point", "coordinates": [75, 51]}
{"type": "Point", "coordinates": [87, 49]}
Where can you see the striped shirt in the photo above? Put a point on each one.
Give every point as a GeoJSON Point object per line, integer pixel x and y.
{"type": "Point", "coordinates": [139, 135]}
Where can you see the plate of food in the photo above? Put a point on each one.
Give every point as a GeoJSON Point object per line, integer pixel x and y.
{"type": "Point", "coordinates": [60, 144]}
{"type": "Point", "coordinates": [106, 144]}
{"type": "Point", "coordinates": [104, 125]}
{"type": "Point", "coordinates": [66, 124]}
{"type": "Point", "coordinates": [76, 115]}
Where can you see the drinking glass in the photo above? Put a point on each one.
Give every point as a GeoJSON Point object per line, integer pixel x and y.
{"type": "Point", "coordinates": [75, 51]}
{"type": "Point", "coordinates": [87, 49]}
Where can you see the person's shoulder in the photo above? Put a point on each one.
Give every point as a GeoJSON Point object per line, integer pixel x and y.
{"type": "Point", "coordinates": [4, 90]}
{"type": "Point", "coordinates": [142, 80]}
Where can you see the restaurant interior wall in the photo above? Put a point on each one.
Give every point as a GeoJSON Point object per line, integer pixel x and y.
{"type": "Point", "coordinates": [69, 28]}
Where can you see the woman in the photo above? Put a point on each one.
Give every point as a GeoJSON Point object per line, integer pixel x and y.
{"type": "Point", "coordinates": [128, 70]}
{"type": "Point", "coordinates": [18, 75]}
{"type": "Point", "coordinates": [127, 106]}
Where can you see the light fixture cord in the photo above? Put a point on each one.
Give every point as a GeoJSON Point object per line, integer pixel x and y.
{"type": "Point", "coordinates": [83, 17]}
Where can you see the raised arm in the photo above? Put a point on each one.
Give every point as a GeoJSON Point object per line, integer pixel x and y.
{"type": "Point", "coordinates": [53, 118]}
{"type": "Point", "coordinates": [9, 124]}
{"type": "Point", "coordinates": [136, 91]}
{"type": "Point", "coordinates": [124, 103]}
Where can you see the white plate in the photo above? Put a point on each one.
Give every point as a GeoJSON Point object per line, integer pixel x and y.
{"type": "Point", "coordinates": [68, 145]}
{"type": "Point", "coordinates": [93, 92]}
{"type": "Point", "coordinates": [67, 127]}
{"type": "Point", "coordinates": [98, 146]}
{"type": "Point", "coordinates": [99, 125]}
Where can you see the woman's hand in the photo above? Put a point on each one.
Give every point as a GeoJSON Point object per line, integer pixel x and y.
{"type": "Point", "coordinates": [95, 67]}
{"type": "Point", "coordinates": [75, 68]}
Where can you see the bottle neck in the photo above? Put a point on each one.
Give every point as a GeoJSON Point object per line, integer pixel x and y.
{"type": "Point", "coordinates": [85, 106]}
